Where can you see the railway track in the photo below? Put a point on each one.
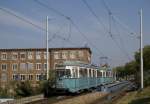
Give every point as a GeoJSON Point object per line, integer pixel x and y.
{"type": "Point", "coordinates": [59, 98]}
{"type": "Point", "coordinates": [95, 97]}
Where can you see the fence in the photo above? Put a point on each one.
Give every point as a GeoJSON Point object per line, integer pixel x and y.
{"type": "Point", "coordinates": [25, 100]}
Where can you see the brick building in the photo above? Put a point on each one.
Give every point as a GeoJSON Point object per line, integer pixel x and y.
{"type": "Point", "coordinates": [30, 64]}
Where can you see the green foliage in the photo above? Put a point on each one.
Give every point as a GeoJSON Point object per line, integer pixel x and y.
{"type": "Point", "coordinates": [3, 93]}
{"type": "Point", "coordinates": [49, 85]}
{"type": "Point", "coordinates": [147, 78]}
{"type": "Point", "coordinates": [133, 67]}
{"type": "Point", "coordinates": [23, 89]}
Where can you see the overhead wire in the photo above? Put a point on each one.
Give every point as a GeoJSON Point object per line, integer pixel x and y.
{"type": "Point", "coordinates": [123, 25]}
{"type": "Point", "coordinates": [94, 14]}
{"type": "Point", "coordinates": [107, 30]}
{"type": "Point", "coordinates": [22, 19]}
{"type": "Point", "coordinates": [33, 24]}
{"type": "Point", "coordinates": [57, 32]}
{"type": "Point", "coordinates": [121, 46]}
{"type": "Point", "coordinates": [69, 30]}
{"type": "Point", "coordinates": [111, 17]}
{"type": "Point", "coordinates": [73, 23]}
{"type": "Point", "coordinates": [77, 28]}
{"type": "Point", "coordinates": [52, 9]}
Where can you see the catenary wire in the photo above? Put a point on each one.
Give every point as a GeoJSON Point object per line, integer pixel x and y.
{"type": "Point", "coordinates": [73, 23]}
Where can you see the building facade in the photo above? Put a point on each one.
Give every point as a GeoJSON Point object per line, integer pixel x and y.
{"type": "Point", "coordinates": [30, 64]}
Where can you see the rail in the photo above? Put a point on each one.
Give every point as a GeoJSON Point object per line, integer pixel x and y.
{"type": "Point", "coordinates": [25, 100]}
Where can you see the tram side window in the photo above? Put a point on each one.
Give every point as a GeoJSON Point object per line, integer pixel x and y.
{"type": "Point", "coordinates": [93, 73]}
{"type": "Point", "coordinates": [99, 74]}
{"type": "Point", "coordinates": [63, 73]}
{"type": "Point", "coordinates": [74, 73]}
{"type": "Point", "coordinates": [83, 72]}
{"type": "Point", "coordinates": [107, 74]}
{"type": "Point", "coordinates": [67, 73]}
{"type": "Point", "coordinates": [89, 72]}
{"type": "Point", "coordinates": [104, 74]}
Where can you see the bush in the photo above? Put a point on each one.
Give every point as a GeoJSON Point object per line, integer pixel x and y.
{"type": "Point", "coordinates": [147, 78]}
{"type": "Point", "coordinates": [23, 89]}
{"type": "Point", "coordinates": [3, 93]}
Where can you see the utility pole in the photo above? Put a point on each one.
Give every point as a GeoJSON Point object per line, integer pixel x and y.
{"type": "Point", "coordinates": [141, 48]}
{"type": "Point", "coordinates": [47, 48]}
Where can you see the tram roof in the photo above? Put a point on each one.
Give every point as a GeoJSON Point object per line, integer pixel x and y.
{"type": "Point", "coordinates": [78, 63]}
{"type": "Point", "coordinates": [105, 68]}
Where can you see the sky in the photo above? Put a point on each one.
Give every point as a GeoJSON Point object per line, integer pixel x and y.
{"type": "Point", "coordinates": [23, 24]}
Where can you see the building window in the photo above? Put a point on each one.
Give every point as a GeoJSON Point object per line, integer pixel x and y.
{"type": "Point", "coordinates": [4, 56]}
{"type": "Point", "coordinates": [22, 77]}
{"type": "Point", "coordinates": [15, 77]}
{"type": "Point", "coordinates": [30, 55]}
{"type": "Point", "coordinates": [22, 55]}
{"type": "Point", "coordinates": [4, 77]}
{"type": "Point", "coordinates": [56, 55]}
{"type": "Point", "coordinates": [14, 56]}
{"type": "Point", "coordinates": [38, 77]}
{"type": "Point", "coordinates": [30, 66]}
{"type": "Point", "coordinates": [45, 55]}
{"type": "Point", "coordinates": [45, 66]}
{"type": "Point", "coordinates": [38, 55]}
{"type": "Point", "coordinates": [30, 77]}
{"type": "Point", "coordinates": [14, 67]}
{"type": "Point", "coordinates": [64, 55]}
{"type": "Point", "coordinates": [38, 66]}
{"type": "Point", "coordinates": [80, 53]}
{"type": "Point", "coordinates": [23, 66]}
{"type": "Point", "coordinates": [4, 67]}
{"type": "Point", "coordinates": [72, 55]}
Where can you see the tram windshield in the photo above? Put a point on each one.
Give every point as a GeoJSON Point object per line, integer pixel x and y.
{"type": "Point", "coordinates": [63, 73]}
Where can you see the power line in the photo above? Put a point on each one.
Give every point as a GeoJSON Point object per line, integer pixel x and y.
{"type": "Point", "coordinates": [69, 30]}
{"type": "Point", "coordinates": [94, 14]}
{"type": "Point", "coordinates": [70, 19]}
{"type": "Point", "coordinates": [115, 41]}
{"type": "Point", "coordinates": [123, 25]}
{"type": "Point", "coordinates": [77, 28]}
{"type": "Point", "coordinates": [31, 23]}
{"type": "Point", "coordinates": [22, 19]}
{"type": "Point", "coordinates": [111, 17]}
{"type": "Point", "coordinates": [57, 32]}
{"type": "Point", "coordinates": [109, 31]}
{"type": "Point", "coordinates": [52, 9]}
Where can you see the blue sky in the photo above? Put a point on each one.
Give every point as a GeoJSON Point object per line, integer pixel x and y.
{"type": "Point", "coordinates": [15, 33]}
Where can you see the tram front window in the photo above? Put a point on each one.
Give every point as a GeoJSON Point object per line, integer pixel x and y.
{"type": "Point", "coordinates": [63, 73]}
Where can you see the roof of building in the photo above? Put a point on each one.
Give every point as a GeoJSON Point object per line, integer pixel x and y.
{"type": "Point", "coordinates": [50, 49]}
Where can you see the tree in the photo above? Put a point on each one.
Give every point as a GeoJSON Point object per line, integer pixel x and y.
{"type": "Point", "coordinates": [119, 71]}
{"type": "Point", "coordinates": [3, 93]}
{"type": "Point", "coordinates": [48, 86]}
{"type": "Point", "coordinates": [133, 67]}
{"type": "Point", "coordinates": [23, 89]}
{"type": "Point", "coordinates": [146, 64]}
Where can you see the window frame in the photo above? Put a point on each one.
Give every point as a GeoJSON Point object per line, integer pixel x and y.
{"type": "Point", "coordinates": [16, 66]}
{"type": "Point", "coordinates": [4, 58]}
{"type": "Point", "coordinates": [37, 67]}
{"type": "Point", "coordinates": [5, 67]}
{"type": "Point", "coordinates": [22, 53]}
